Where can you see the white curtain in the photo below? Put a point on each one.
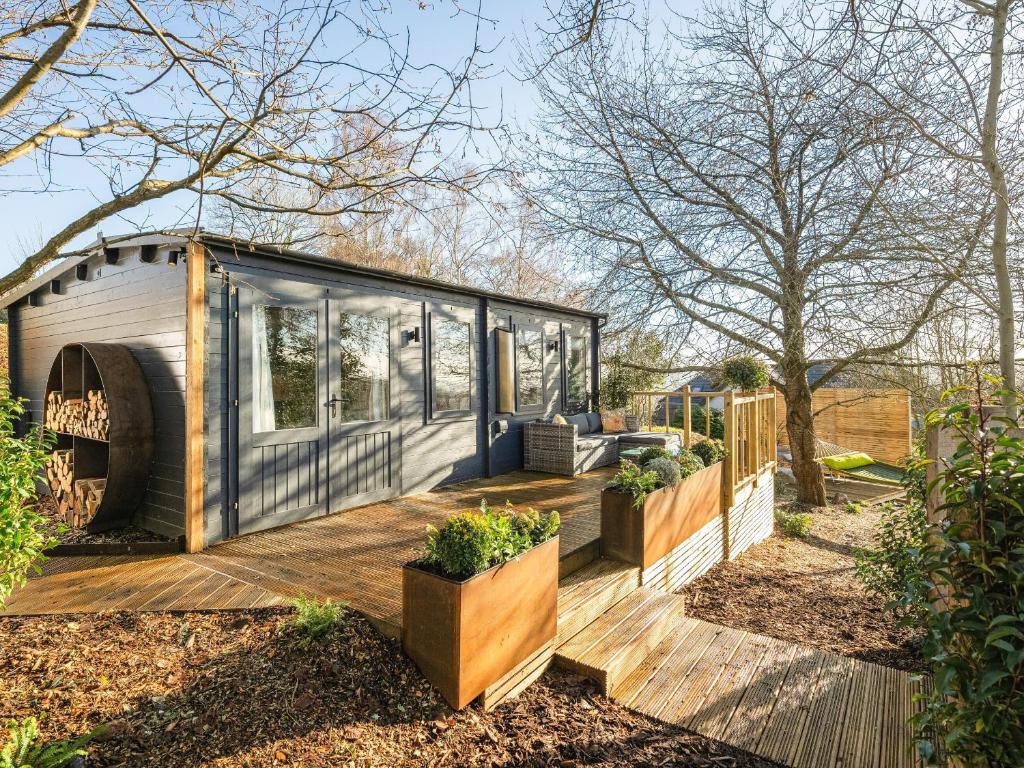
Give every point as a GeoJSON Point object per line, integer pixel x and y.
{"type": "Point", "coordinates": [262, 380]}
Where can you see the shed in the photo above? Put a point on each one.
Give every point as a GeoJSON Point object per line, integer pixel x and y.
{"type": "Point", "coordinates": [286, 386]}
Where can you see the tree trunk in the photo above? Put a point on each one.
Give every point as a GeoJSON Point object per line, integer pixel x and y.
{"type": "Point", "coordinates": [810, 483]}
{"type": "Point", "coordinates": [997, 180]}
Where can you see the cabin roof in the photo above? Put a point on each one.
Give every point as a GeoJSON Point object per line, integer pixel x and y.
{"type": "Point", "coordinates": [71, 259]}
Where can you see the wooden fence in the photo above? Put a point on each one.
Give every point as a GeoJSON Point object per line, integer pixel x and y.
{"type": "Point", "coordinates": [749, 419]}
{"type": "Point", "coordinates": [875, 421]}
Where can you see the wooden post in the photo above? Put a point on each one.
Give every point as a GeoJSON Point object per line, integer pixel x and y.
{"type": "Point", "coordinates": [686, 416]}
{"type": "Point", "coordinates": [707, 418]}
{"type": "Point", "coordinates": [668, 401]}
{"type": "Point", "coordinates": [650, 412]}
{"type": "Point", "coordinates": [757, 436]}
{"type": "Point", "coordinates": [195, 356]}
{"type": "Point", "coordinates": [731, 445]}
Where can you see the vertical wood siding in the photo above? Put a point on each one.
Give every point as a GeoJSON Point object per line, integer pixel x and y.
{"type": "Point", "coordinates": [143, 307]}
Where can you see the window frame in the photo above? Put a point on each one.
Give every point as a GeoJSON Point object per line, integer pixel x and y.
{"type": "Point", "coordinates": [465, 316]}
{"type": "Point", "coordinates": [308, 298]}
{"type": "Point", "coordinates": [568, 335]}
{"type": "Point", "coordinates": [542, 405]}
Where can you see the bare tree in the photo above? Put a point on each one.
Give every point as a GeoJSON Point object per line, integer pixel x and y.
{"type": "Point", "coordinates": [213, 96]}
{"type": "Point", "coordinates": [946, 68]}
{"type": "Point", "coordinates": [727, 179]}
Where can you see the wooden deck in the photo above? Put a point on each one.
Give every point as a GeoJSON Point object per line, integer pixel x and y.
{"type": "Point", "coordinates": [354, 556]}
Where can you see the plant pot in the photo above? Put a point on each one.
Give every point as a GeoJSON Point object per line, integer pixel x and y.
{"type": "Point", "coordinates": [669, 516]}
{"type": "Point", "coordinates": [466, 635]}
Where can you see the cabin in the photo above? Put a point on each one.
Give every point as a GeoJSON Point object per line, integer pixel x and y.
{"type": "Point", "coordinates": [277, 385]}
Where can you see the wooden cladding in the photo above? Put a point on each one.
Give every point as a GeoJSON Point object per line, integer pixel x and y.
{"type": "Point", "coordinates": [504, 354]}
{"type": "Point", "coordinates": [875, 421]}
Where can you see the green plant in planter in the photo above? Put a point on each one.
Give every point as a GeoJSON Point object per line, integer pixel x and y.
{"type": "Point", "coordinates": [22, 749]}
{"type": "Point", "coordinates": [745, 372]}
{"type": "Point", "coordinates": [710, 451]}
{"type": "Point", "coordinates": [634, 481]}
{"type": "Point", "coordinates": [653, 452]}
{"type": "Point", "coordinates": [666, 469]}
{"type": "Point", "coordinates": [689, 463]}
{"type": "Point", "coordinates": [471, 542]}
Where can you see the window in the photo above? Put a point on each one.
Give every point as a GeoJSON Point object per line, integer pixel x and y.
{"type": "Point", "coordinates": [365, 365]}
{"type": "Point", "coordinates": [451, 347]}
{"type": "Point", "coordinates": [530, 361]}
{"type": "Point", "coordinates": [578, 366]}
{"type": "Point", "coordinates": [284, 343]}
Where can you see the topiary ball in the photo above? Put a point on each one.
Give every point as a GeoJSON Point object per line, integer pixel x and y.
{"type": "Point", "coordinates": [666, 469]}
{"type": "Point", "coordinates": [689, 463]}
{"type": "Point", "coordinates": [709, 451]}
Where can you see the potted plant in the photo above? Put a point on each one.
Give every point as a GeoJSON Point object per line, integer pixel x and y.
{"type": "Point", "coordinates": [482, 599]}
{"type": "Point", "coordinates": [651, 507]}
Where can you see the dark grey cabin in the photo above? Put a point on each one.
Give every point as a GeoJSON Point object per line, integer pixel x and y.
{"type": "Point", "coordinates": [286, 386]}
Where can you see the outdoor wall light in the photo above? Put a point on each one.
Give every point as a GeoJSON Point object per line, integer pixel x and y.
{"type": "Point", "coordinates": [413, 335]}
{"type": "Point", "coordinates": [552, 346]}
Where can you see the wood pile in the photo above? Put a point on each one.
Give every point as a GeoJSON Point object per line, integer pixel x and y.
{"type": "Point", "coordinates": [79, 500]}
{"type": "Point", "coordinates": [85, 417]}
{"type": "Point", "coordinates": [88, 495]}
{"type": "Point", "coordinates": [60, 472]}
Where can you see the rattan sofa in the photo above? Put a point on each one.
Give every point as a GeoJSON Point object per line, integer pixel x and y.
{"type": "Point", "coordinates": [581, 445]}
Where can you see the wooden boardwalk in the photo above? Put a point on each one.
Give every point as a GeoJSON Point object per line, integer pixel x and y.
{"type": "Point", "coordinates": [795, 705]}
{"type": "Point", "coordinates": [354, 556]}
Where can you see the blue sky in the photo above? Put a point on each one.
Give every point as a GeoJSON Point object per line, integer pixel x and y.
{"type": "Point", "coordinates": [437, 34]}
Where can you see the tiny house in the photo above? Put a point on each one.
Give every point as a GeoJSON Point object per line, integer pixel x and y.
{"type": "Point", "coordinates": [283, 385]}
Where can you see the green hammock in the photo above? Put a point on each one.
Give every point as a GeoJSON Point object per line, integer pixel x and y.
{"type": "Point", "coordinates": [875, 472]}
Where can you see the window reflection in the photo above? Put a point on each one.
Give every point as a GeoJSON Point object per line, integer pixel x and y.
{"type": "Point", "coordinates": [578, 369]}
{"type": "Point", "coordinates": [365, 365]}
{"type": "Point", "coordinates": [450, 365]}
{"type": "Point", "coordinates": [285, 368]}
{"type": "Point", "coordinates": [530, 359]}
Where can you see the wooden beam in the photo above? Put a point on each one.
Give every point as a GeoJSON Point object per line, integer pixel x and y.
{"type": "Point", "coordinates": [195, 357]}
{"type": "Point", "coordinates": [687, 416]}
{"type": "Point", "coordinates": [731, 447]}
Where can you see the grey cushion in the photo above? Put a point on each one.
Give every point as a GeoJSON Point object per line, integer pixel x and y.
{"type": "Point", "coordinates": [594, 419]}
{"type": "Point", "coordinates": [594, 441]}
{"type": "Point", "coordinates": [648, 438]}
{"type": "Point", "coordinates": [580, 420]}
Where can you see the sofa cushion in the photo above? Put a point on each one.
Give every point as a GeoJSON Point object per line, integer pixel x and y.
{"type": "Point", "coordinates": [591, 442]}
{"type": "Point", "coordinates": [559, 419]}
{"type": "Point", "coordinates": [581, 422]}
{"type": "Point", "coordinates": [648, 438]}
{"type": "Point", "coordinates": [613, 420]}
{"type": "Point", "coordinates": [594, 420]}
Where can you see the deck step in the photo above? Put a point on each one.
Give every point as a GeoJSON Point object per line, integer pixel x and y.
{"type": "Point", "coordinates": [612, 646]}
{"type": "Point", "coordinates": [587, 593]}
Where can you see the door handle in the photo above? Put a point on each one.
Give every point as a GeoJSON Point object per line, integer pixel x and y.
{"type": "Point", "coordinates": [333, 405]}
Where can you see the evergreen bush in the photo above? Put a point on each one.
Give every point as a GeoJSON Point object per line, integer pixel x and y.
{"type": "Point", "coordinates": [745, 372]}
{"type": "Point", "coordinates": [635, 482]}
{"type": "Point", "coordinates": [666, 469]}
{"type": "Point", "coordinates": [689, 463]}
{"type": "Point", "coordinates": [710, 451]}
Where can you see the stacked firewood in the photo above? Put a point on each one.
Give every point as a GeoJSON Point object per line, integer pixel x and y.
{"type": "Point", "coordinates": [88, 496]}
{"type": "Point", "coordinates": [88, 417]}
{"type": "Point", "coordinates": [77, 500]}
{"type": "Point", "coordinates": [60, 472]}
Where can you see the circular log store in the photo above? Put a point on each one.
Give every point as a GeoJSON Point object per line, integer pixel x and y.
{"type": "Point", "coordinates": [97, 401]}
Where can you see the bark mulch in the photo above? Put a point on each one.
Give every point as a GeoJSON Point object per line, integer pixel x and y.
{"type": "Point", "coordinates": [247, 689]}
{"type": "Point", "coordinates": [806, 591]}
{"type": "Point", "coordinates": [64, 534]}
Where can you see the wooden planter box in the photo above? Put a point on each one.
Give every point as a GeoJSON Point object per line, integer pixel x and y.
{"type": "Point", "coordinates": [668, 517]}
{"type": "Point", "coordinates": [466, 635]}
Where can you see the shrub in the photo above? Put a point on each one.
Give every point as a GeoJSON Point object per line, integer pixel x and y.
{"type": "Point", "coordinates": [698, 420]}
{"type": "Point", "coordinates": [745, 372]}
{"type": "Point", "coordinates": [891, 568]}
{"type": "Point", "coordinates": [23, 534]}
{"type": "Point", "coordinates": [471, 542]}
{"type": "Point", "coordinates": [710, 451]}
{"type": "Point", "coordinates": [654, 452]}
{"type": "Point", "coordinates": [315, 619]}
{"type": "Point", "coordinates": [853, 508]}
{"type": "Point", "coordinates": [635, 482]}
{"type": "Point", "coordinates": [666, 469]}
{"type": "Point", "coordinates": [974, 642]}
{"type": "Point", "coordinates": [22, 750]}
{"type": "Point", "coordinates": [689, 463]}
{"type": "Point", "coordinates": [797, 524]}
